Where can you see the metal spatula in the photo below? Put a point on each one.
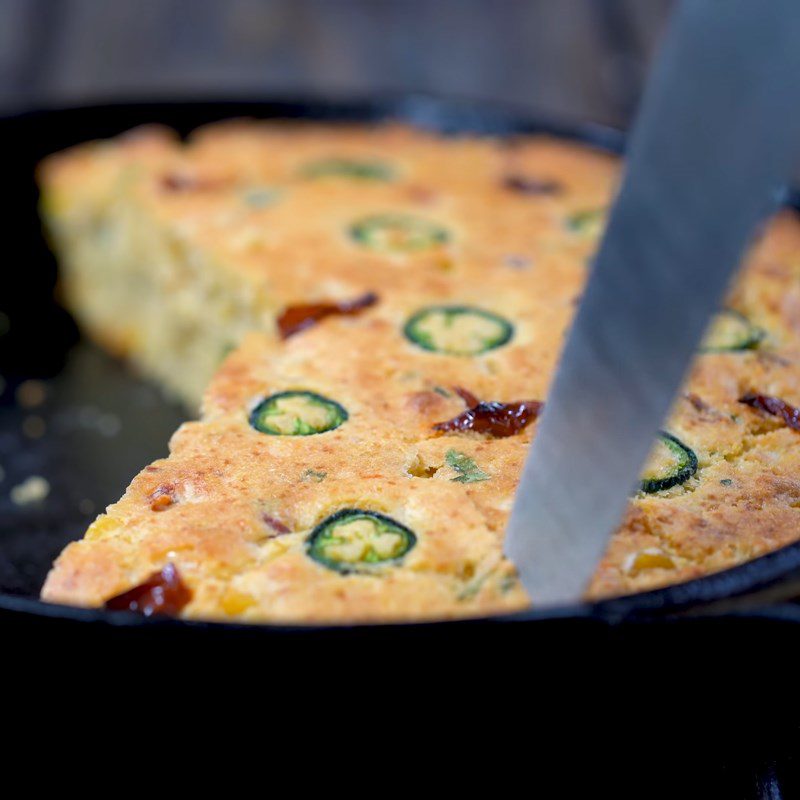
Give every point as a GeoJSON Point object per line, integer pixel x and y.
{"type": "Point", "coordinates": [715, 139]}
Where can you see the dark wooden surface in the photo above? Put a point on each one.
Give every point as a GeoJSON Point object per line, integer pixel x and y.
{"type": "Point", "coordinates": [572, 58]}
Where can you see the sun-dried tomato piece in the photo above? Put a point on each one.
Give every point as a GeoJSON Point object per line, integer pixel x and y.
{"type": "Point", "coordinates": [697, 402]}
{"type": "Point", "coordinates": [188, 182]}
{"type": "Point", "coordinates": [775, 406]}
{"type": "Point", "coordinates": [162, 593]}
{"type": "Point", "coordinates": [527, 185]}
{"type": "Point", "coordinates": [273, 522]}
{"type": "Point", "coordinates": [496, 419]}
{"type": "Point", "coordinates": [297, 318]}
{"type": "Point", "coordinates": [466, 396]}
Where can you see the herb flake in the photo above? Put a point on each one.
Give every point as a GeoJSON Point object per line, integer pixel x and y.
{"type": "Point", "coordinates": [468, 471]}
{"type": "Point", "coordinates": [313, 475]}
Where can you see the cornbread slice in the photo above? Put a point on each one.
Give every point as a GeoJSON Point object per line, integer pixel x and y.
{"type": "Point", "coordinates": [171, 251]}
{"type": "Point", "coordinates": [318, 484]}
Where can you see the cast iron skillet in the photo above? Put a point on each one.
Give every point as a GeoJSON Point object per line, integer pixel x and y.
{"type": "Point", "coordinates": [103, 423]}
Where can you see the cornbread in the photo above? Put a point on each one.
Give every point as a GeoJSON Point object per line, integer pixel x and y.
{"type": "Point", "coordinates": [363, 466]}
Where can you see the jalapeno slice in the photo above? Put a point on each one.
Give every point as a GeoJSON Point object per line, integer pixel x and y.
{"type": "Point", "coordinates": [398, 233]}
{"type": "Point", "coordinates": [354, 540]}
{"type": "Point", "coordinates": [671, 463]}
{"type": "Point", "coordinates": [588, 222]}
{"type": "Point", "coordinates": [731, 331]}
{"type": "Point", "coordinates": [457, 330]}
{"type": "Point", "coordinates": [297, 413]}
{"type": "Point", "coordinates": [364, 169]}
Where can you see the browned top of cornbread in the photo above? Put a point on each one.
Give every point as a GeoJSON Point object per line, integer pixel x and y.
{"type": "Point", "coordinates": [296, 246]}
{"type": "Point", "coordinates": [513, 253]}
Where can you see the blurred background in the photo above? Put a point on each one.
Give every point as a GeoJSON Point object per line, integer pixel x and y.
{"type": "Point", "coordinates": [572, 59]}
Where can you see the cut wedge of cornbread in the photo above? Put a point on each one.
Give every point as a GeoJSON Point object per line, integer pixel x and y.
{"type": "Point", "coordinates": [172, 251]}
{"type": "Point", "coordinates": [319, 483]}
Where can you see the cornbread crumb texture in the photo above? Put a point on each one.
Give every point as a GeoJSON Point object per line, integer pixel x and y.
{"type": "Point", "coordinates": [314, 486]}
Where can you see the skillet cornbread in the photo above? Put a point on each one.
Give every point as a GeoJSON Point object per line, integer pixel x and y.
{"type": "Point", "coordinates": [402, 299]}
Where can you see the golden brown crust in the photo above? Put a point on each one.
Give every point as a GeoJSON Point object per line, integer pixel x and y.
{"type": "Point", "coordinates": [515, 254]}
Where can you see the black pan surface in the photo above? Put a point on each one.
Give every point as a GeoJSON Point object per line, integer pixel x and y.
{"type": "Point", "coordinates": [101, 423]}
